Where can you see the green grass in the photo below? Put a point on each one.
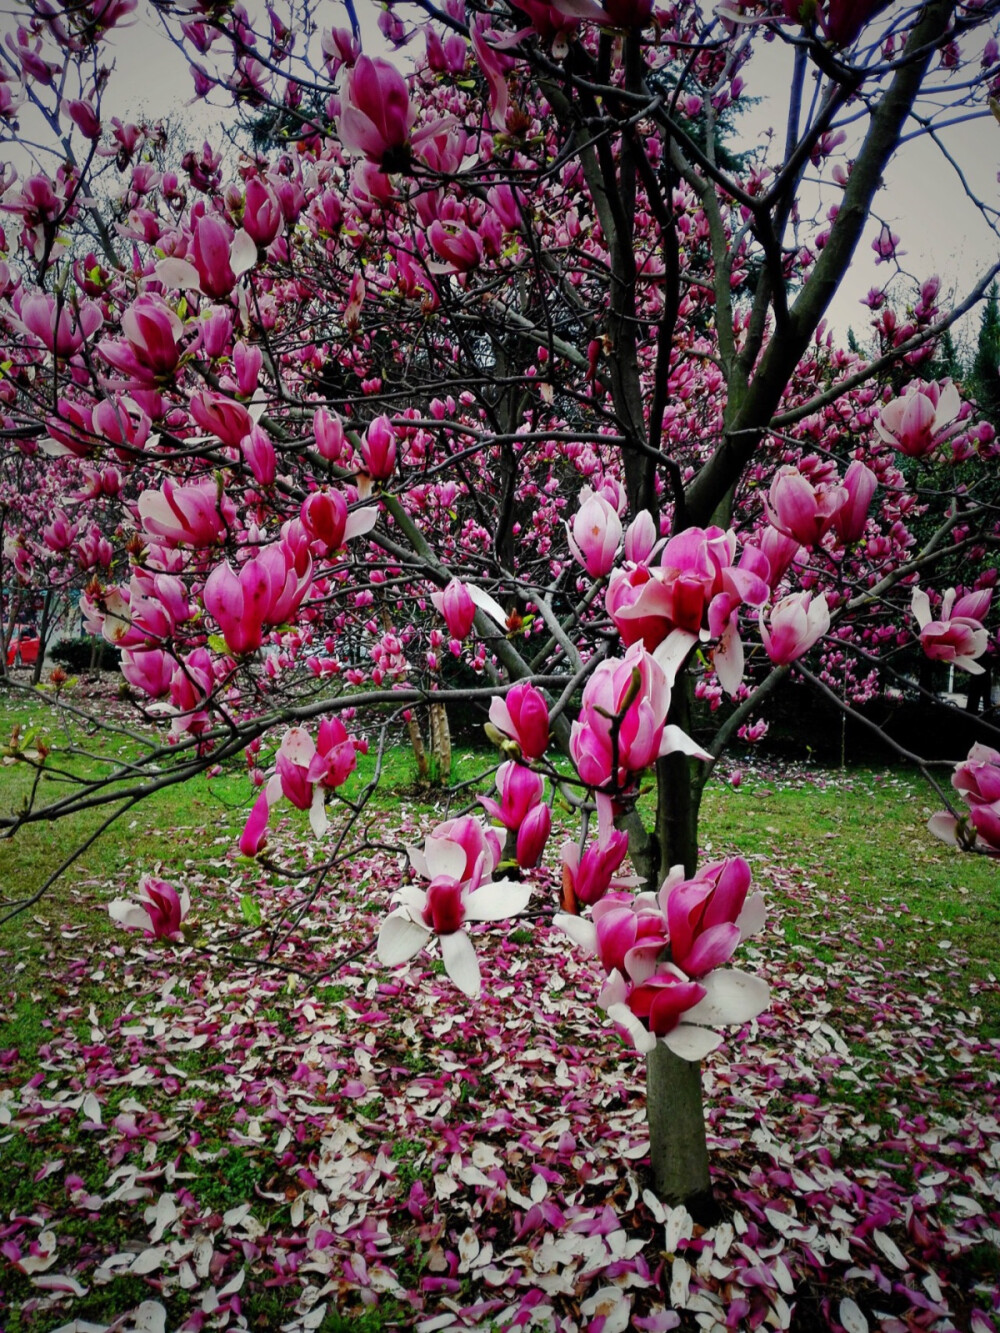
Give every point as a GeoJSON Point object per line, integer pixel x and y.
{"type": "Point", "coordinates": [908, 892]}
{"type": "Point", "coordinates": [860, 841]}
{"type": "Point", "coordinates": [867, 839]}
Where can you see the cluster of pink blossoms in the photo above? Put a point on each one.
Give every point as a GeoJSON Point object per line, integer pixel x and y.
{"type": "Point", "coordinates": [977, 780]}
{"type": "Point", "coordinates": [304, 771]}
{"type": "Point", "coordinates": [664, 952]}
{"type": "Point", "coordinates": [458, 860]}
{"type": "Point", "coordinates": [957, 633]}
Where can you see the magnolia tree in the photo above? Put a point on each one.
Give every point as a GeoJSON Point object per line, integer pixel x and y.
{"type": "Point", "coordinates": [496, 373]}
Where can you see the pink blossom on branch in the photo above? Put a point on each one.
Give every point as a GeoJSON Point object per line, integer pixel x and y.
{"type": "Point", "coordinates": [851, 518]}
{"type": "Point", "coordinates": [977, 780]}
{"type": "Point", "coordinates": [376, 115]}
{"type": "Point", "coordinates": [522, 716]}
{"type": "Point", "coordinates": [520, 791]}
{"type": "Point", "coordinates": [378, 454]}
{"type": "Point", "coordinates": [693, 594]}
{"type": "Point", "coordinates": [801, 510]}
{"type": "Point", "coordinates": [456, 894]}
{"type": "Point", "coordinates": [305, 770]}
{"type": "Point", "coordinates": [455, 604]}
{"type": "Point", "coordinates": [588, 874]}
{"type": "Point", "coordinates": [957, 634]}
{"type": "Point", "coordinates": [663, 954]}
{"type": "Point", "coordinates": [924, 418]}
{"type": "Point", "coordinates": [326, 519]}
{"type": "Point", "coordinates": [199, 514]}
{"type": "Point", "coordinates": [521, 810]}
{"type": "Point", "coordinates": [796, 623]}
{"type": "Point", "coordinates": [622, 727]}
{"type": "Point", "coordinates": [254, 836]}
{"type": "Point", "coordinates": [267, 590]}
{"type": "Point", "coordinates": [595, 534]}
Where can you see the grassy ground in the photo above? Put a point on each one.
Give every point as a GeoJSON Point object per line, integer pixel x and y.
{"type": "Point", "coordinates": [853, 879]}
{"type": "Point", "coordinates": [859, 832]}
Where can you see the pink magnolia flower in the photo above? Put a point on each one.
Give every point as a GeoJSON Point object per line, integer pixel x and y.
{"type": "Point", "coordinates": [191, 685]}
{"type": "Point", "coordinates": [262, 215]}
{"type": "Point", "coordinates": [532, 836]}
{"type": "Point", "coordinates": [215, 332]}
{"type": "Point", "coordinates": [520, 791]}
{"type": "Point", "coordinates": [336, 755]}
{"type": "Point", "coordinates": [152, 332]}
{"type": "Point", "coordinates": [115, 423]}
{"type": "Point", "coordinates": [801, 510]}
{"type": "Point", "coordinates": [549, 22]}
{"type": "Point", "coordinates": [457, 246]}
{"type": "Point", "coordinates": [253, 839]}
{"type": "Point", "coordinates": [247, 362]}
{"type": "Point", "coordinates": [293, 764]}
{"type": "Point", "coordinates": [378, 450]}
{"type": "Point", "coordinates": [977, 780]}
{"type": "Point", "coordinates": [779, 551]}
{"type": "Point", "coordinates": [159, 911]}
{"type": "Point", "coordinates": [258, 451]}
{"type": "Point", "coordinates": [198, 514]}
{"type": "Point", "coordinates": [494, 67]}
{"type": "Point", "coordinates": [641, 538]}
{"type": "Point", "coordinates": [842, 20]}
{"type": "Point", "coordinates": [652, 1008]}
{"type": "Point", "coordinates": [708, 916]}
{"type": "Point", "coordinates": [471, 834]}
{"type": "Point", "coordinates": [61, 533]}
{"type": "Point", "coordinates": [666, 1005]}
{"type": "Point", "coordinates": [455, 895]}
{"type": "Point", "coordinates": [455, 604]}
{"type": "Point", "coordinates": [375, 112]}
{"type": "Point", "coordinates": [957, 635]}
{"type": "Point", "coordinates": [158, 603]}
{"type": "Point", "coordinates": [622, 727]}
{"type": "Point", "coordinates": [523, 716]}
{"type": "Point", "coordinates": [596, 534]}
{"type": "Point", "coordinates": [210, 245]}
{"type": "Point", "coordinates": [304, 771]}
{"type": "Point", "coordinates": [325, 517]}
{"type": "Point", "coordinates": [589, 874]}
{"type": "Point", "coordinates": [695, 592]}
{"type": "Point", "coordinates": [223, 417]}
{"type": "Point", "coordinates": [922, 419]}
{"type": "Point", "coordinates": [797, 622]}
{"type": "Point", "coordinates": [329, 432]}
{"type": "Point", "coordinates": [61, 326]}
{"type": "Point", "coordinates": [850, 519]}
{"type": "Point", "coordinates": [267, 591]}
{"type": "Point", "coordinates": [625, 930]}
{"type": "Point", "coordinates": [148, 669]}
{"type": "Point", "coordinates": [238, 602]}
{"type": "Point", "coordinates": [662, 953]}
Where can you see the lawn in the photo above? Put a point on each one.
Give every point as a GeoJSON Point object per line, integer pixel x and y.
{"type": "Point", "coordinates": [211, 1138]}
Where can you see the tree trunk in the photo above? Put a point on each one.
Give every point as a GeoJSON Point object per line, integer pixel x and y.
{"type": "Point", "coordinates": [678, 1153]}
{"type": "Point", "coordinates": [43, 637]}
{"type": "Point", "coordinates": [417, 745]}
{"type": "Point", "coordinates": [980, 689]}
{"type": "Point", "coordinates": [440, 745]}
{"type": "Point", "coordinates": [677, 1148]}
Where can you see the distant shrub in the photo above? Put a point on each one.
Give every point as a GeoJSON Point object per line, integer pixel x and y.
{"type": "Point", "coordinates": [78, 654]}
